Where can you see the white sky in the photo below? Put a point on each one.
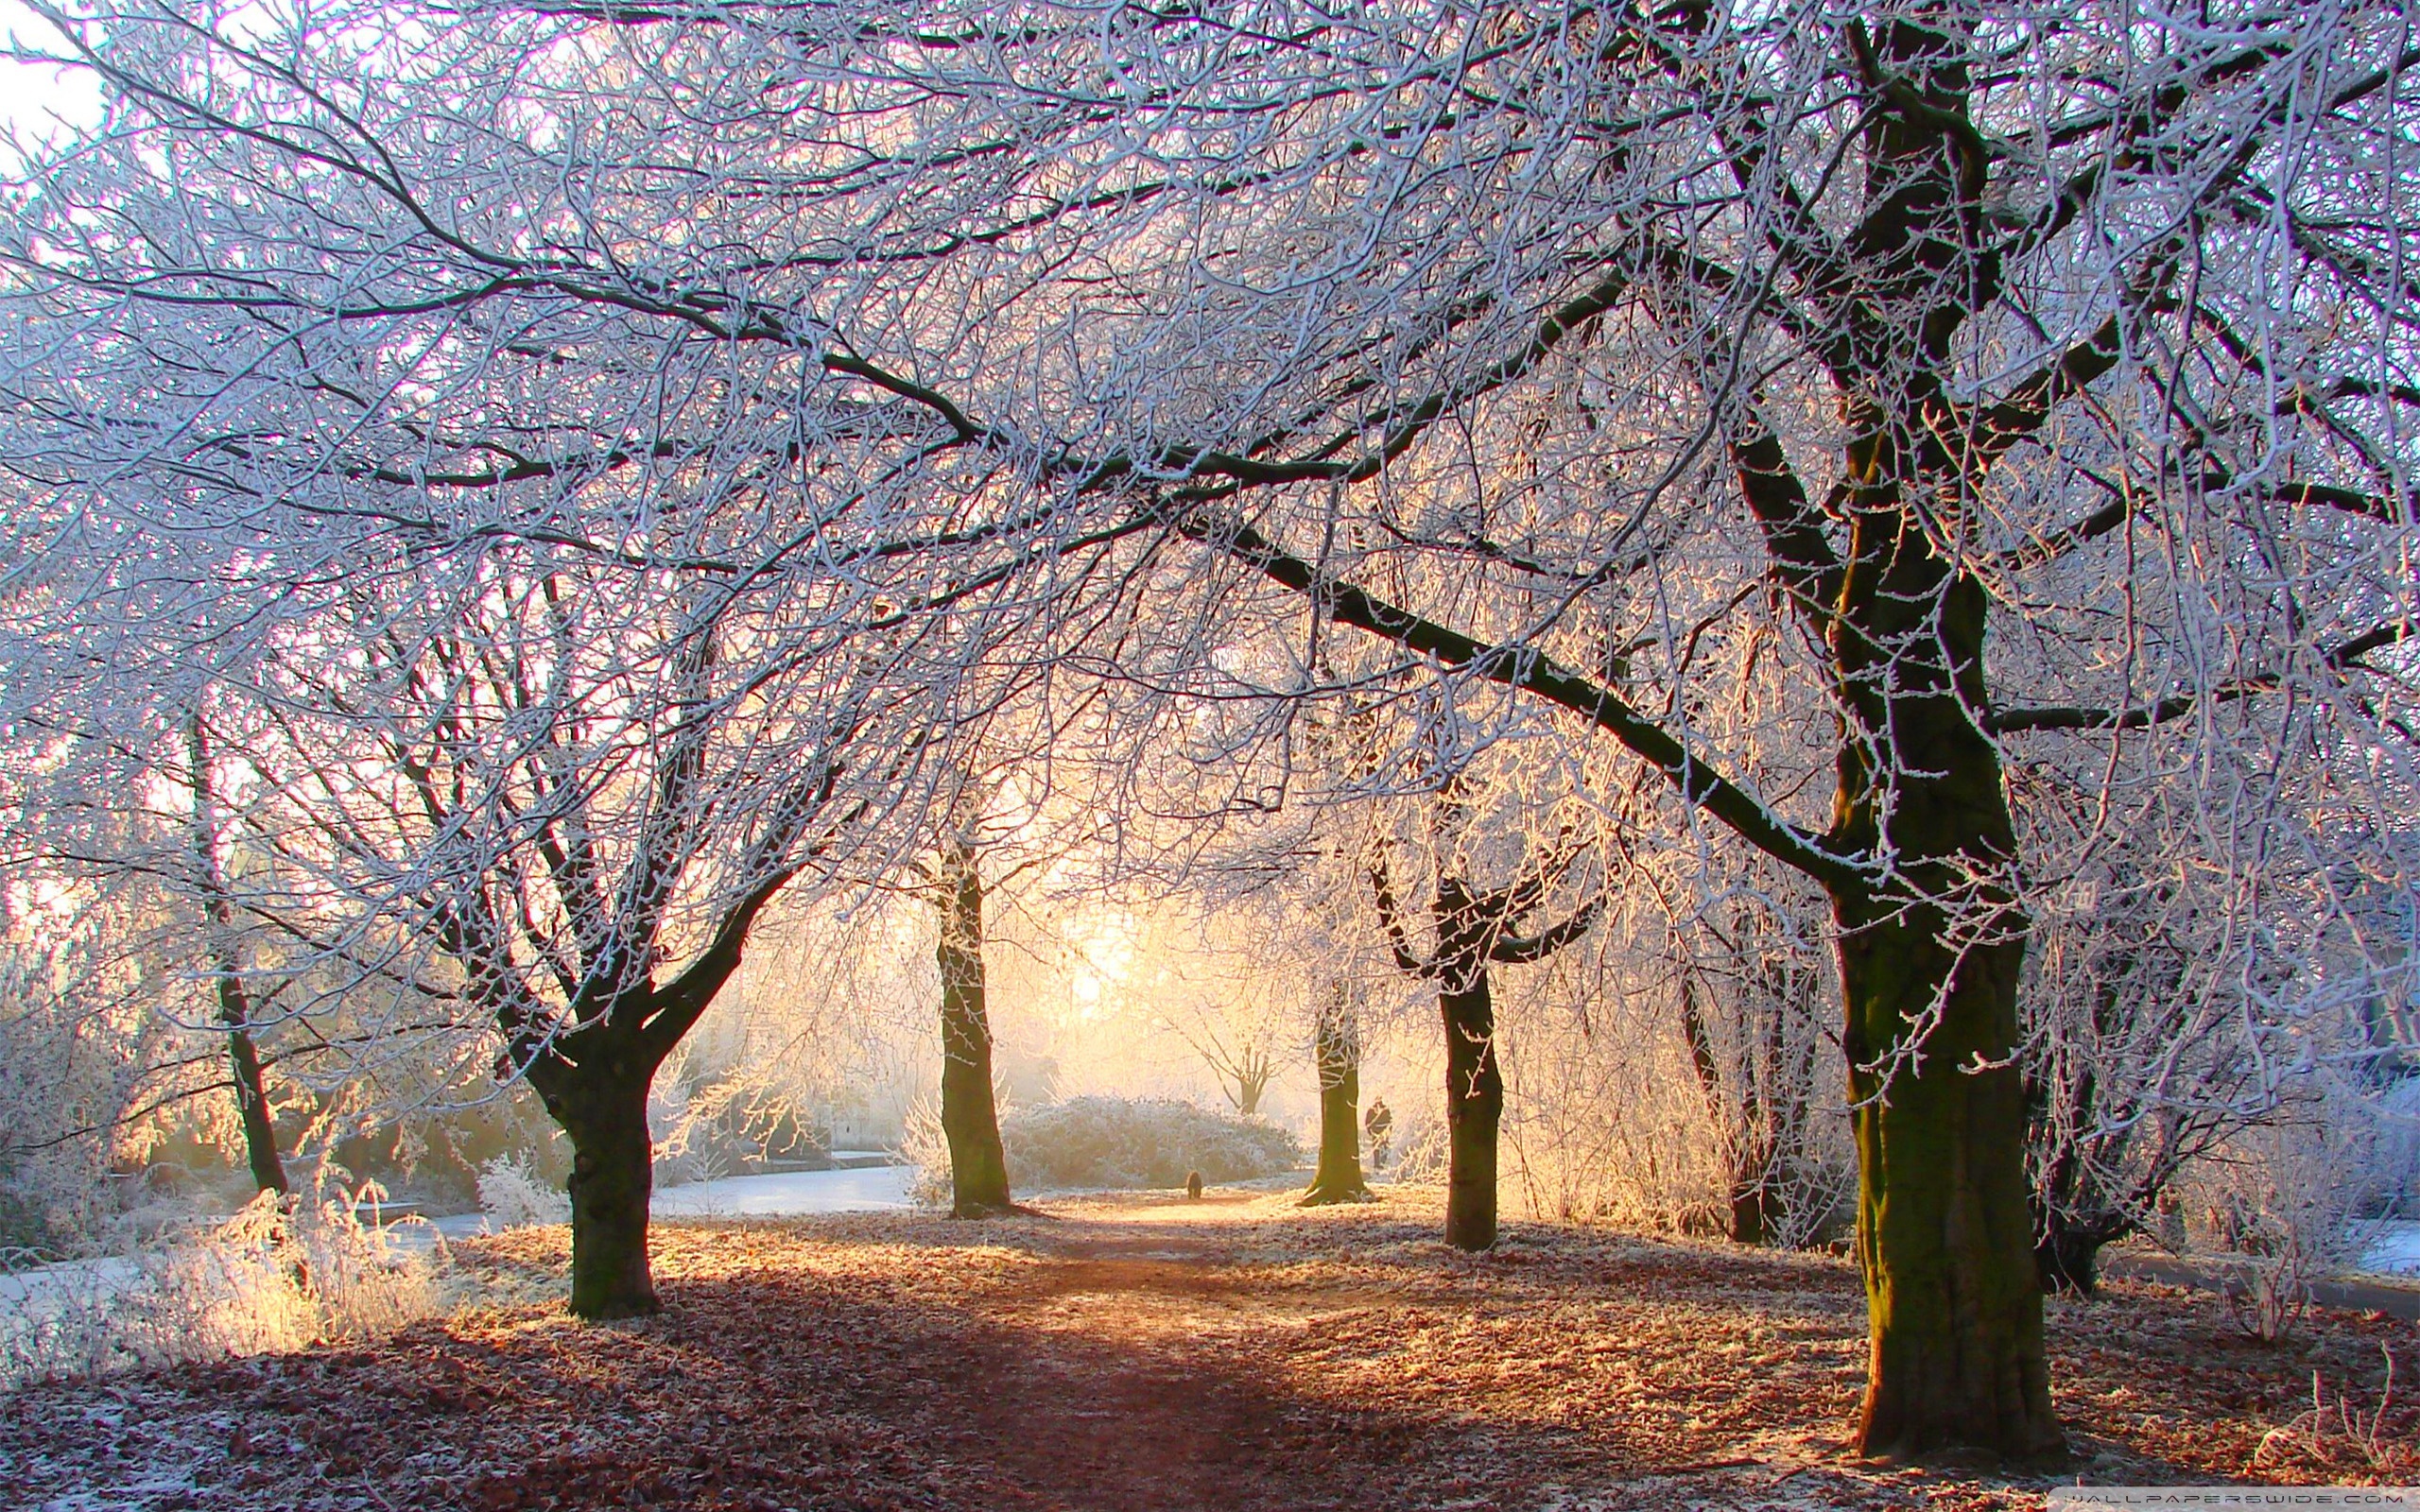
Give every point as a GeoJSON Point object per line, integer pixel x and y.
{"type": "Point", "coordinates": [35, 100]}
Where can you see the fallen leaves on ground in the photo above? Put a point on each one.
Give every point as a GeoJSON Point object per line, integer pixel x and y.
{"type": "Point", "coordinates": [1144, 1352]}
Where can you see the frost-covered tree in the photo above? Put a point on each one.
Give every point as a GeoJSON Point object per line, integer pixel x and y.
{"type": "Point", "coordinates": [2186, 989]}
{"type": "Point", "coordinates": [126, 858]}
{"type": "Point", "coordinates": [529, 819]}
{"type": "Point", "coordinates": [567, 642]}
{"type": "Point", "coordinates": [1473, 927]}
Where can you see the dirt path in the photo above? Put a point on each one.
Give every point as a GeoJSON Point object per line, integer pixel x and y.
{"type": "Point", "coordinates": [1147, 1354]}
{"type": "Point", "coordinates": [1145, 1364]}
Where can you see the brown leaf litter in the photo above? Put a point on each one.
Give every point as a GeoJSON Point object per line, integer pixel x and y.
{"type": "Point", "coordinates": [1139, 1352]}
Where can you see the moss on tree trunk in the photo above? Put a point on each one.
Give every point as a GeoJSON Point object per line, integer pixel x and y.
{"type": "Point", "coordinates": [1335, 1049]}
{"type": "Point", "coordinates": [979, 1166]}
{"type": "Point", "coordinates": [1944, 1232]}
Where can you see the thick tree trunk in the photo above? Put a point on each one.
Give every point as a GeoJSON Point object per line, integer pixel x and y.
{"type": "Point", "coordinates": [1474, 1110]}
{"type": "Point", "coordinates": [594, 1079]}
{"type": "Point", "coordinates": [1945, 1230]}
{"type": "Point", "coordinates": [1335, 1049]}
{"type": "Point", "coordinates": [1929, 959]}
{"type": "Point", "coordinates": [612, 1176]}
{"type": "Point", "coordinates": [978, 1167]}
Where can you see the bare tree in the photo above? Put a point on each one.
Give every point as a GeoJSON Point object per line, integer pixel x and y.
{"type": "Point", "coordinates": [551, 697]}
{"type": "Point", "coordinates": [2149, 1045]}
{"type": "Point", "coordinates": [558, 846]}
{"type": "Point", "coordinates": [1755, 1058]}
{"type": "Point", "coordinates": [1241, 1058]}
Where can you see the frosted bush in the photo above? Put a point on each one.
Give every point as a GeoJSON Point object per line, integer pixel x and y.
{"type": "Point", "coordinates": [265, 1281]}
{"type": "Point", "coordinates": [1118, 1141]}
{"type": "Point", "coordinates": [514, 1198]}
{"type": "Point", "coordinates": [65, 1069]}
{"type": "Point", "coordinates": [1093, 1143]}
{"type": "Point", "coordinates": [2301, 1194]}
{"type": "Point", "coordinates": [926, 1149]}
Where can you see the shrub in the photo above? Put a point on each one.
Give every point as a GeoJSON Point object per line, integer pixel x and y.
{"type": "Point", "coordinates": [267, 1279]}
{"type": "Point", "coordinates": [1120, 1142]}
{"type": "Point", "coordinates": [2302, 1193]}
{"type": "Point", "coordinates": [926, 1149]}
{"type": "Point", "coordinates": [513, 1197]}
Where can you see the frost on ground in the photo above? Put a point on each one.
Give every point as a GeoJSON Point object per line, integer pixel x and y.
{"type": "Point", "coordinates": [1146, 1352]}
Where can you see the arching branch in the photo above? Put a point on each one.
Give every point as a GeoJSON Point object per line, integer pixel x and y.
{"type": "Point", "coordinates": [1533, 671]}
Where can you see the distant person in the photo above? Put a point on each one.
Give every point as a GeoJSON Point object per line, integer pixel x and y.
{"type": "Point", "coordinates": [1376, 1125]}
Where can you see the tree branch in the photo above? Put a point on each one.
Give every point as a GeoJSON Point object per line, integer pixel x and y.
{"type": "Point", "coordinates": [1513, 950]}
{"type": "Point", "coordinates": [1533, 671]}
{"type": "Point", "coordinates": [1382, 883]}
{"type": "Point", "coordinates": [2340, 656]}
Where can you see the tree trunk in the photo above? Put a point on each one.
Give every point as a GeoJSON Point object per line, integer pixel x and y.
{"type": "Point", "coordinates": [1474, 1109]}
{"type": "Point", "coordinates": [613, 1175]}
{"type": "Point", "coordinates": [252, 1097]}
{"type": "Point", "coordinates": [594, 1078]}
{"type": "Point", "coordinates": [1756, 1208]}
{"type": "Point", "coordinates": [1747, 1151]}
{"type": "Point", "coordinates": [1930, 958]}
{"type": "Point", "coordinates": [978, 1167]}
{"type": "Point", "coordinates": [243, 1056]}
{"type": "Point", "coordinates": [1335, 1049]}
{"type": "Point", "coordinates": [235, 1002]}
{"type": "Point", "coordinates": [1945, 1230]}
{"type": "Point", "coordinates": [2066, 1252]}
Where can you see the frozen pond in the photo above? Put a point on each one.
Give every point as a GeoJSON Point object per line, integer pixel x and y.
{"type": "Point", "coordinates": [68, 1281]}
{"type": "Point", "coordinates": [790, 1194]}
{"type": "Point", "coordinates": [2394, 1252]}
